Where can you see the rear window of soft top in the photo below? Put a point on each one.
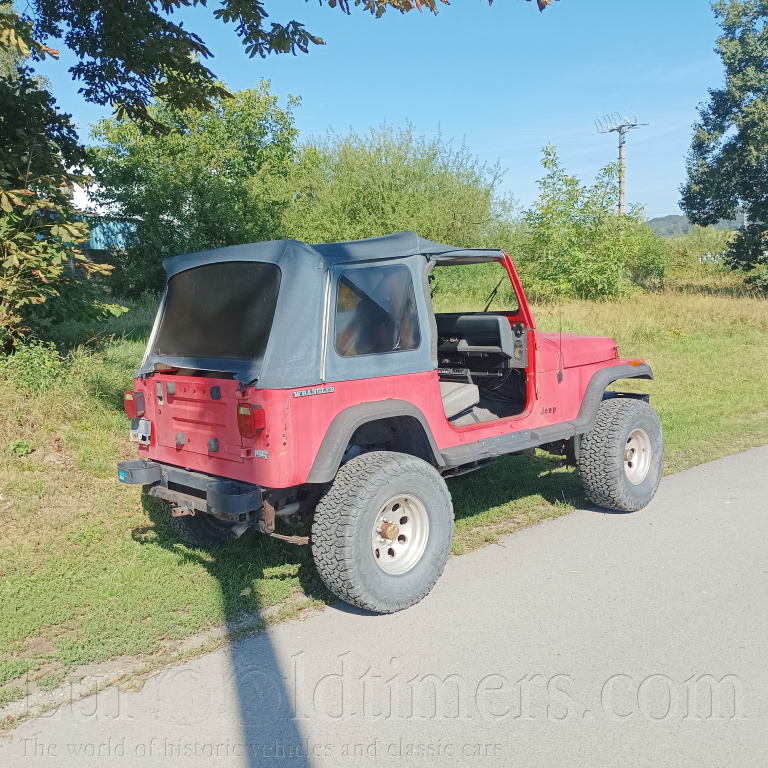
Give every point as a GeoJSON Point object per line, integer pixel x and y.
{"type": "Point", "coordinates": [222, 310]}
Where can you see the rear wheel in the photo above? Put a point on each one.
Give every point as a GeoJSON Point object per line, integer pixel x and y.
{"type": "Point", "coordinates": [383, 532]}
{"type": "Point", "coordinates": [622, 458]}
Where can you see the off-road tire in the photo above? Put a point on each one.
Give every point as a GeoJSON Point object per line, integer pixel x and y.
{"type": "Point", "coordinates": [602, 459]}
{"type": "Point", "coordinates": [344, 521]}
{"type": "Point", "coordinates": [200, 530]}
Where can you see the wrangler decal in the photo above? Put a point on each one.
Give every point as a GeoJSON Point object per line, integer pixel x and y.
{"type": "Point", "coordinates": [313, 391]}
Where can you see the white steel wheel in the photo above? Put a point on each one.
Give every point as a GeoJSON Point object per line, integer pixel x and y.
{"type": "Point", "coordinates": [382, 533]}
{"type": "Point", "coordinates": [622, 457]}
{"type": "Point", "coordinates": [637, 456]}
{"type": "Point", "coordinates": [399, 535]}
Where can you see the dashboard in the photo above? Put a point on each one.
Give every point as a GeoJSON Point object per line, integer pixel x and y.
{"type": "Point", "coordinates": [479, 345]}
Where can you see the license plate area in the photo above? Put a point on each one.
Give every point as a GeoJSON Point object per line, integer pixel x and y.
{"type": "Point", "coordinates": [199, 416]}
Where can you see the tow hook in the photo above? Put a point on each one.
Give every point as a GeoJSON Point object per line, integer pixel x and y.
{"type": "Point", "coordinates": [177, 511]}
{"type": "Point", "coordinates": [267, 524]}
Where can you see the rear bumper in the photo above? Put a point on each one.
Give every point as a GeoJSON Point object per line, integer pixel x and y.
{"type": "Point", "coordinates": [230, 500]}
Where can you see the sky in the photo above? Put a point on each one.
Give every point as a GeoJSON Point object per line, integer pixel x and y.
{"type": "Point", "coordinates": [504, 79]}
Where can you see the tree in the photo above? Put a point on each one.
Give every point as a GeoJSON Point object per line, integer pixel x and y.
{"type": "Point", "coordinates": [577, 245]}
{"type": "Point", "coordinates": [131, 54]}
{"type": "Point", "coordinates": [351, 186]}
{"type": "Point", "coordinates": [10, 56]}
{"type": "Point", "coordinates": [40, 160]}
{"type": "Point", "coordinates": [216, 178]}
{"type": "Point", "coordinates": [728, 160]}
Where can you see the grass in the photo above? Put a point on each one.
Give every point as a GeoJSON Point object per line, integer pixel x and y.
{"type": "Point", "coordinates": [708, 354]}
{"type": "Point", "coordinates": [89, 572]}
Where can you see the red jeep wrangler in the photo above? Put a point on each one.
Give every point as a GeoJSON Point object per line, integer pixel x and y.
{"type": "Point", "coordinates": [294, 381]}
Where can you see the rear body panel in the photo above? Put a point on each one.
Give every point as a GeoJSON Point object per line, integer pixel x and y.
{"type": "Point", "coordinates": [189, 410]}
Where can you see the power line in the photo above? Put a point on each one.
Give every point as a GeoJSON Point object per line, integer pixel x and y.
{"type": "Point", "coordinates": [615, 124]}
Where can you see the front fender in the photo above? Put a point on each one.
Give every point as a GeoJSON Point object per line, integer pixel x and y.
{"type": "Point", "coordinates": [593, 396]}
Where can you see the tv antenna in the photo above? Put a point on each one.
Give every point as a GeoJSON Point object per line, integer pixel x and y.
{"type": "Point", "coordinates": [615, 123]}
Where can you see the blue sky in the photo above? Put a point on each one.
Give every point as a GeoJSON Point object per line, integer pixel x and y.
{"type": "Point", "coordinates": [507, 79]}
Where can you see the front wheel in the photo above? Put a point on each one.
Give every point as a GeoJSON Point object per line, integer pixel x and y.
{"type": "Point", "coordinates": [382, 534]}
{"type": "Point", "coordinates": [622, 458]}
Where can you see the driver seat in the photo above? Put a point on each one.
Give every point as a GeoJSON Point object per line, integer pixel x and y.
{"type": "Point", "coordinates": [458, 397]}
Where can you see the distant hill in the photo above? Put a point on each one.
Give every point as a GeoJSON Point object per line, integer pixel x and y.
{"type": "Point", "coordinates": [670, 225]}
{"type": "Point", "coordinates": [667, 226]}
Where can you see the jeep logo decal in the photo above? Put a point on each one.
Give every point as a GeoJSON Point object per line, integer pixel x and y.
{"type": "Point", "coordinates": [313, 391]}
{"type": "Point", "coordinates": [548, 410]}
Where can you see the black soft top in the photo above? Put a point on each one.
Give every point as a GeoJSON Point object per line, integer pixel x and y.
{"type": "Point", "coordinates": [397, 246]}
{"type": "Point", "coordinates": [294, 354]}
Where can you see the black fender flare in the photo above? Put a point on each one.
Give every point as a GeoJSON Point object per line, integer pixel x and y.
{"type": "Point", "coordinates": [595, 391]}
{"type": "Point", "coordinates": [344, 424]}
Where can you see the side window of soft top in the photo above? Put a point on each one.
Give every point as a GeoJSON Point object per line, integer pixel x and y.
{"type": "Point", "coordinates": [376, 311]}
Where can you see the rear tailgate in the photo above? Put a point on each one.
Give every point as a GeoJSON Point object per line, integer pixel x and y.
{"type": "Point", "coordinates": [194, 412]}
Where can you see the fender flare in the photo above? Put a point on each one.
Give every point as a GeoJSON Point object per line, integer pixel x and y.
{"type": "Point", "coordinates": [344, 424]}
{"type": "Point", "coordinates": [593, 396]}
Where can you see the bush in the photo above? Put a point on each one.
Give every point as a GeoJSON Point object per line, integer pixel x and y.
{"type": "Point", "coordinates": [757, 278]}
{"type": "Point", "coordinates": [350, 186]}
{"type": "Point", "coordinates": [700, 262]}
{"type": "Point", "coordinates": [198, 188]}
{"type": "Point", "coordinates": [701, 250]}
{"type": "Point", "coordinates": [74, 332]}
{"type": "Point", "coordinates": [646, 255]}
{"type": "Point", "coordinates": [34, 367]}
{"type": "Point", "coordinates": [576, 244]}
{"type": "Point", "coordinates": [18, 448]}
{"type": "Point", "coordinates": [39, 229]}
{"type": "Point", "coordinates": [217, 178]}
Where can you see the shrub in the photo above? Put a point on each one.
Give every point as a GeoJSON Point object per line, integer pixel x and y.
{"type": "Point", "coordinates": [18, 448]}
{"type": "Point", "coordinates": [758, 278]}
{"type": "Point", "coordinates": [702, 249]}
{"type": "Point", "coordinates": [34, 367]}
{"type": "Point", "coordinates": [39, 229]}
{"type": "Point", "coordinates": [216, 178]}
{"type": "Point", "coordinates": [355, 186]}
{"type": "Point", "coordinates": [578, 246]}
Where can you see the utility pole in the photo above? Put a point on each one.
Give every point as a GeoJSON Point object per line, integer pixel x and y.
{"type": "Point", "coordinates": [615, 124]}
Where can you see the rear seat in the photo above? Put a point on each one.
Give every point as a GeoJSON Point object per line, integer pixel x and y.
{"type": "Point", "coordinates": [458, 397]}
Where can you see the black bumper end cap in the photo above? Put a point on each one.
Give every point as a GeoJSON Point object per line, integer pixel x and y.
{"type": "Point", "coordinates": [139, 472]}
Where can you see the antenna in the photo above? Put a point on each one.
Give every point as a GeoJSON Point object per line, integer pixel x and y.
{"type": "Point", "coordinates": [615, 123]}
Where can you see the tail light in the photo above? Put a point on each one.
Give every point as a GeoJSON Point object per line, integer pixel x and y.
{"type": "Point", "coordinates": [251, 419]}
{"type": "Point", "coordinates": [134, 404]}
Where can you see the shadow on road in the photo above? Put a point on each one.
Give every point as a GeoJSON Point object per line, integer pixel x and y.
{"type": "Point", "coordinates": [256, 573]}
{"type": "Point", "coordinates": [256, 689]}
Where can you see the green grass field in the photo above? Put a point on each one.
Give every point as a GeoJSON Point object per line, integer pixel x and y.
{"type": "Point", "coordinates": [89, 572]}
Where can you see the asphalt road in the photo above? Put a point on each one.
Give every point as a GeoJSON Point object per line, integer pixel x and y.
{"type": "Point", "coordinates": [594, 640]}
